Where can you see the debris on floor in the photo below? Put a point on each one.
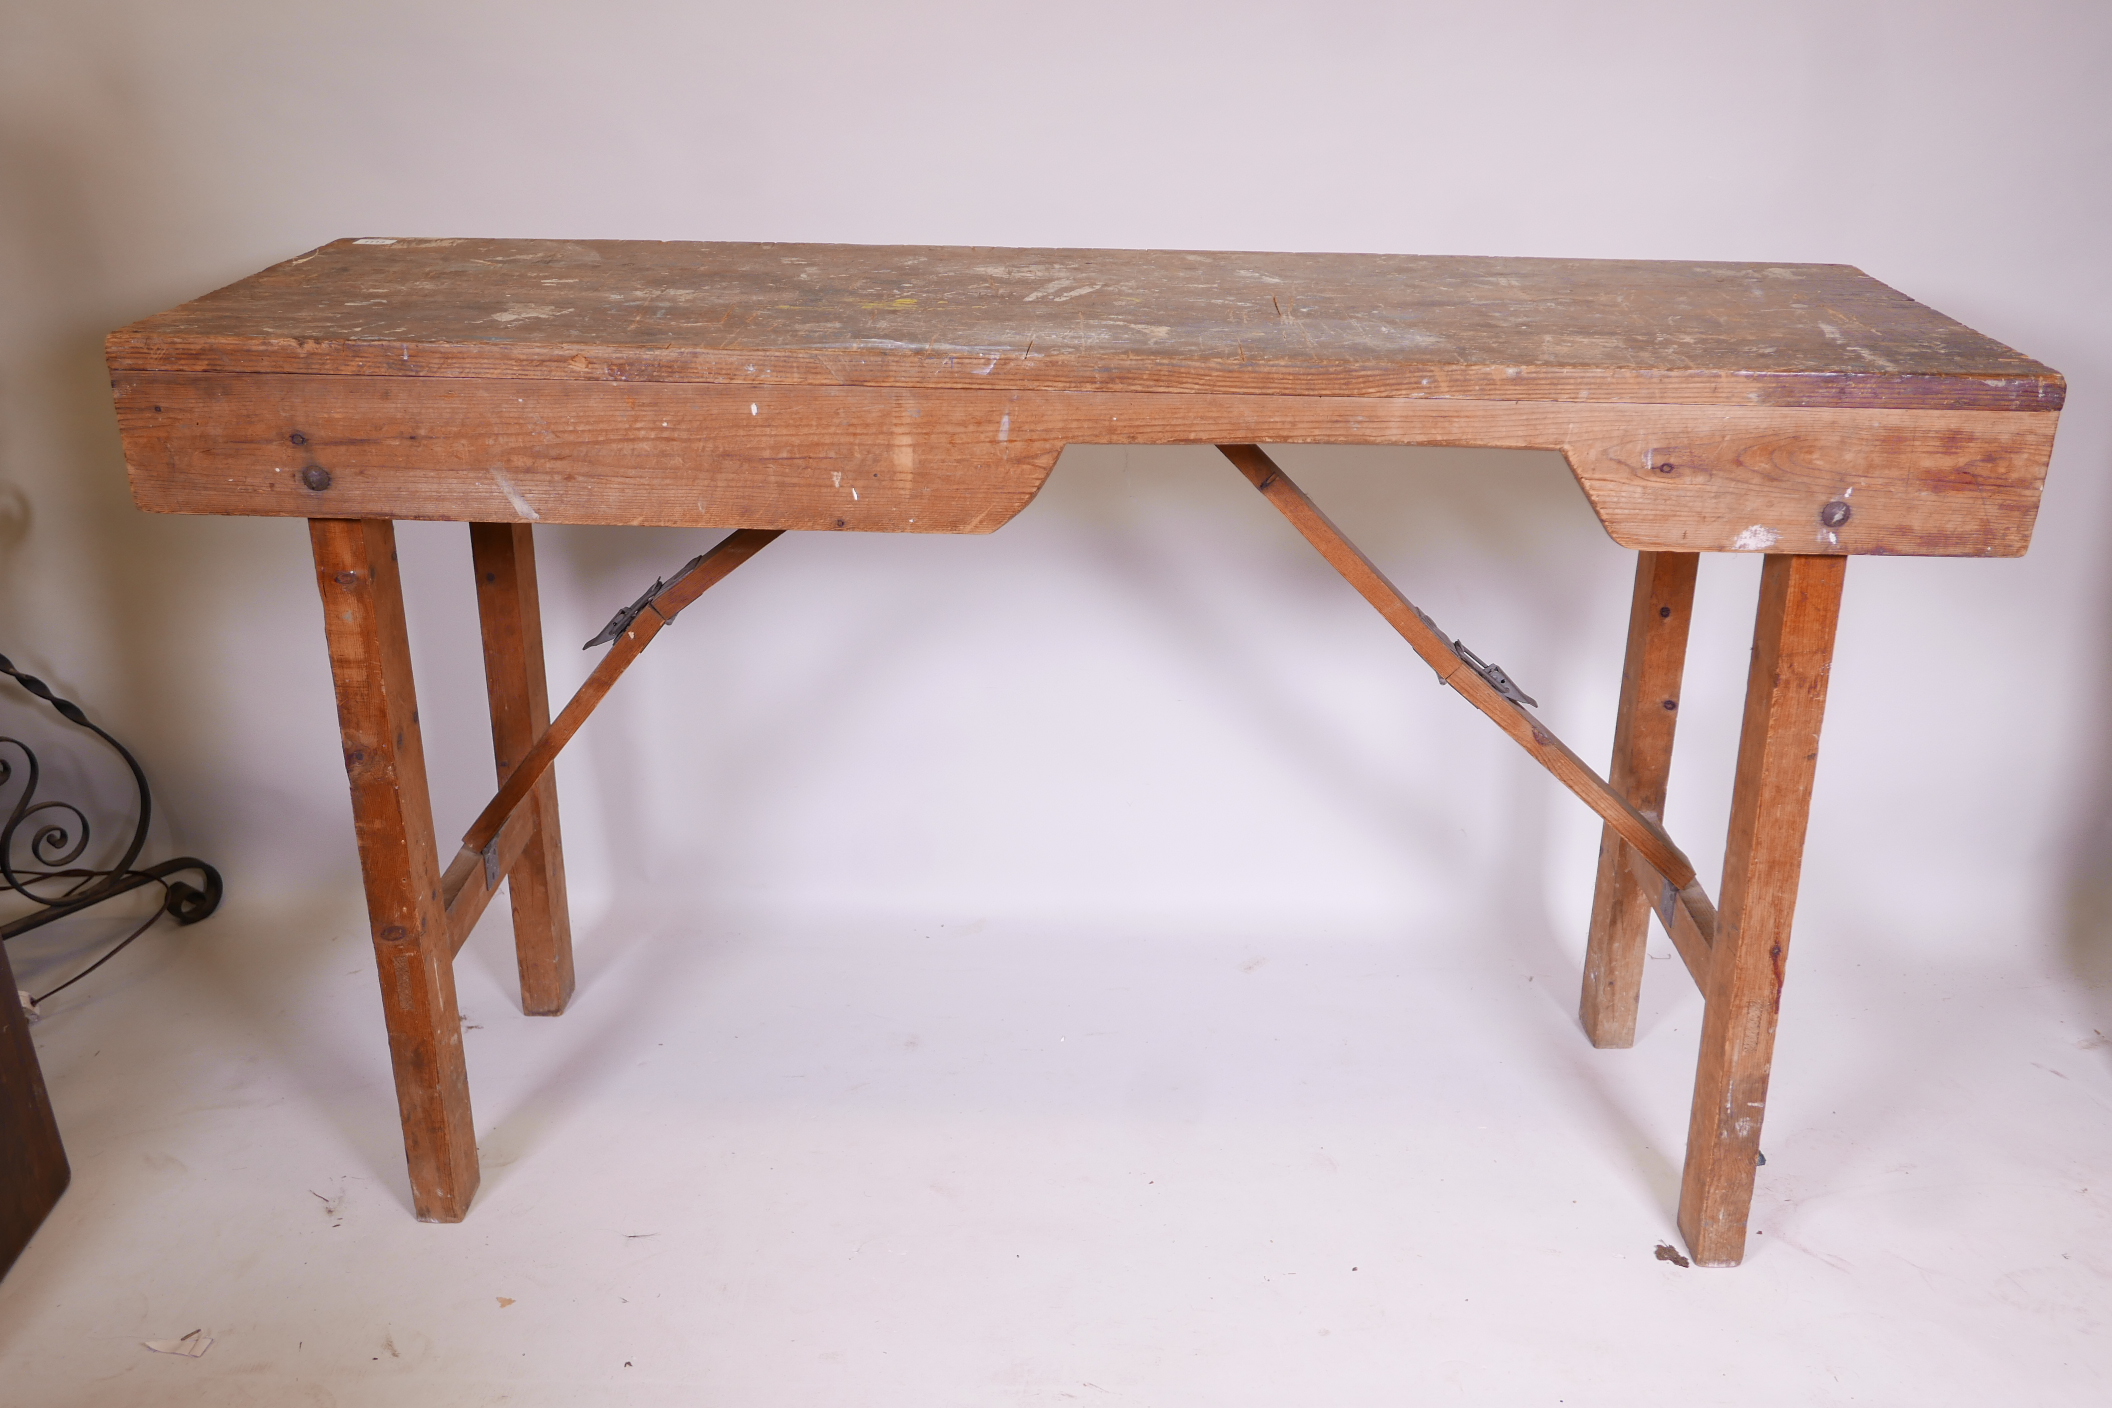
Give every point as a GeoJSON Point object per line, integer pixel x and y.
{"type": "Point", "coordinates": [1667, 1252]}
{"type": "Point", "coordinates": [191, 1346]}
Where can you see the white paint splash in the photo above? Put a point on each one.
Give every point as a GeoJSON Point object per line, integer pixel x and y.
{"type": "Point", "coordinates": [513, 496]}
{"type": "Point", "coordinates": [1758, 538]}
{"type": "Point", "coordinates": [373, 241]}
{"type": "Point", "coordinates": [522, 312]}
{"type": "Point", "coordinates": [1004, 429]}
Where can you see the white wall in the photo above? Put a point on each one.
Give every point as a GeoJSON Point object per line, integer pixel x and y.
{"type": "Point", "coordinates": [1145, 697]}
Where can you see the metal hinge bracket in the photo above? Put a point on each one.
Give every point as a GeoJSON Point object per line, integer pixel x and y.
{"type": "Point", "coordinates": [1502, 683]}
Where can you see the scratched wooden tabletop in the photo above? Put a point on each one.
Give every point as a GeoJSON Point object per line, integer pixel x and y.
{"type": "Point", "coordinates": [1817, 335]}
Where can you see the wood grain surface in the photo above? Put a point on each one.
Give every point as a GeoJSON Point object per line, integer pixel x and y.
{"type": "Point", "coordinates": [1073, 319]}
{"type": "Point", "coordinates": [1660, 477]}
{"type": "Point", "coordinates": [1778, 749]}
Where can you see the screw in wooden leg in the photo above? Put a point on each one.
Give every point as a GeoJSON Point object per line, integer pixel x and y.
{"type": "Point", "coordinates": [511, 611]}
{"type": "Point", "coordinates": [377, 710]}
{"type": "Point", "coordinates": [1785, 702]}
{"type": "Point", "coordinates": [1658, 617]}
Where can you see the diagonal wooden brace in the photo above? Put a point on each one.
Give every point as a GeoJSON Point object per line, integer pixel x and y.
{"type": "Point", "coordinates": [1656, 849]}
{"type": "Point", "coordinates": [505, 827]}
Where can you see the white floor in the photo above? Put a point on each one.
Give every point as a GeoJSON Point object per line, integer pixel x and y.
{"type": "Point", "coordinates": [989, 1162]}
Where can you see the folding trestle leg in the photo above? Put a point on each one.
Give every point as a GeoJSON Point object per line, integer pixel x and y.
{"type": "Point", "coordinates": [1740, 967]}
{"type": "Point", "coordinates": [421, 916]}
{"type": "Point", "coordinates": [1737, 959]}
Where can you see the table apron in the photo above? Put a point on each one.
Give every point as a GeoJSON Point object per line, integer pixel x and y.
{"type": "Point", "coordinates": [1660, 477]}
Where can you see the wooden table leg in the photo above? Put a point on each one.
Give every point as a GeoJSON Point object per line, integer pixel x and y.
{"type": "Point", "coordinates": [377, 711]}
{"type": "Point", "coordinates": [1778, 750]}
{"type": "Point", "coordinates": [1642, 762]}
{"type": "Point", "coordinates": [520, 710]}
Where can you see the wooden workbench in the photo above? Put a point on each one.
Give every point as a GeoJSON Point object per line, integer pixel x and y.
{"type": "Point", "coordinates": [1805, 412]}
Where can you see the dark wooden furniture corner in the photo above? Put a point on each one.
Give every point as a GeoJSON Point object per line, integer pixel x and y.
{"type": "Point", "coordinates": [33, 1170]}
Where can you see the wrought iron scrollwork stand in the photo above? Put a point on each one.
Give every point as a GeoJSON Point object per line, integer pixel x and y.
{"type": "Point", "coordinates": [58, 835]}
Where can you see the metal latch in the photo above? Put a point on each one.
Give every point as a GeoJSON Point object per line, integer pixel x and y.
{"type": "Point", "coordinates": [621, 621]}
{"type": "Point", "coordinates": [1502, 683]}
